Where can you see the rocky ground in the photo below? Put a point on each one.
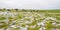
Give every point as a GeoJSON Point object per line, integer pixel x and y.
{"type": "Point", "coordinates": [29, 21]}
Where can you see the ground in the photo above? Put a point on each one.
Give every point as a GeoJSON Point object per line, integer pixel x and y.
{"type": "Point", "coordinates": [30, 20]}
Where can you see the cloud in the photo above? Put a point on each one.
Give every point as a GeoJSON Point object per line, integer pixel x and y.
{"type": "Point", "coordinates": [30, 4]}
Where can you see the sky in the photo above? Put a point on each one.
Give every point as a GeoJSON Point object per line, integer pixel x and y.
{"type": "Point", "coordinates": [30, 4]}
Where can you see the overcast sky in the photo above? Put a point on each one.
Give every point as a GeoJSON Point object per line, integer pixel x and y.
{"type": "Point", "coordinates": [30, 4]}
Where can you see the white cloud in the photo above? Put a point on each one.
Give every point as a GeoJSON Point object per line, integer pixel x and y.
{"type": "Point", "coordinates": [30, 4]}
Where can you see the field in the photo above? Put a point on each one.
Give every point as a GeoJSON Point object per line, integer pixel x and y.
{"type": "Point", "coordinates": [29, 19]}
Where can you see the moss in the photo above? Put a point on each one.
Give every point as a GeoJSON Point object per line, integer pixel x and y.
{"type": "Point", "coordinates": [37, 27]}
{"type": "Point", "coordinates": [33, 23]}
{"type": "Point", "coordinates": [4, 25]}
{"type": "Point", "coordinates": [16, 29]}
{"type": "Point", "coordinates": [2, 18]}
